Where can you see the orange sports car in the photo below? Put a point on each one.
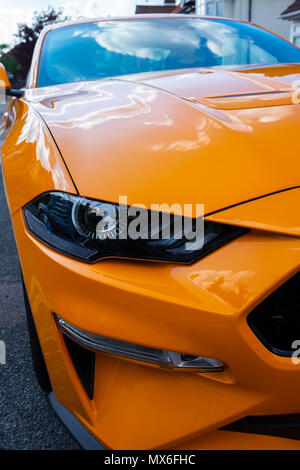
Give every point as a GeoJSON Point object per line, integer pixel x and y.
{"type": "Point", "coordinates": [152, 173]}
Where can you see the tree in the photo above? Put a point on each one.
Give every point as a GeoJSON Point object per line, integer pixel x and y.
{"type": "Point", "coordinates": [28, 35]}
{"type": "Point", "coordinates": [3, 49]}
{"type": "Point", "coordinates": [11, 65]}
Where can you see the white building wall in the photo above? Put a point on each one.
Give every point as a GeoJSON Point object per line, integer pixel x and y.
{"type": "Point", "coordinates": [240, 9]}
{"type": "Point", "coordinates": [229, 8]}
{"type": "Point", "coordinates": [264, 13]}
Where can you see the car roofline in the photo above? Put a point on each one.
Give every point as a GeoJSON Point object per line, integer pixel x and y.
{"type": "Point", "coordinates": [135, 17]}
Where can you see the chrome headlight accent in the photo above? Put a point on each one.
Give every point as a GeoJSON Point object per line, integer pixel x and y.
{"type": "Point", "coordinates": [135, 352]}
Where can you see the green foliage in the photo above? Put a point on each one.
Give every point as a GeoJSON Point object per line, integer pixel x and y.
{"type": "Point", "coordinates": [3, 49]}
{"type": "Point", "coordinates": [29, 34]}
{"type": "Point", "coordinates": [10, 63]}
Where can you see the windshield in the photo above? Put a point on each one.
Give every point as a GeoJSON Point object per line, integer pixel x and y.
{"type": "Point", "coordinates": [102, 49]}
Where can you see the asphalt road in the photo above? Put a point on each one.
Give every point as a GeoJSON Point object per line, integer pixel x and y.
{"type": "Point", "coordinates": [27, 420]}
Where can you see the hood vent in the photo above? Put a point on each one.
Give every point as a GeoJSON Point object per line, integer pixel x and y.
{"type": "Point", "coordinates": [250, 100]}
{"type": "Point", "coordinates": [243, 95]}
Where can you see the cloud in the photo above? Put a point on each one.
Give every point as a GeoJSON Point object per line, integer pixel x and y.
{"type": "Point", "coordinates": [22, 11]}
{"type": "Point", "coordinates": [98, 8]}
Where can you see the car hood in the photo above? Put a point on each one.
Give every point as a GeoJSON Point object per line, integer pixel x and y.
{"type": "Point", "coordinates": [215, 137]}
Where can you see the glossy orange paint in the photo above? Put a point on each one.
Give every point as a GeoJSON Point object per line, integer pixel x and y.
{"type": "Point", "coordinates": [275, 213]}
{"type": "Point", "coordinates": [171, 143]}
{"type": "Point", "coordinates": [30, 158]}
{"type": "Point", "coordinates": [159, 135]}
{"type": "Point", "coordinates": [198, 309]}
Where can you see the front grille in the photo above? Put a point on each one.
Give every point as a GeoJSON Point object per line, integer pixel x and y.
{"type": "Point", "coordinates": [276, 321]}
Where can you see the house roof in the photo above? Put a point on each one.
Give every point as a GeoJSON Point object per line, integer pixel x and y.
{"type": "Point", "coordinates": [170, 6]}
{"type": "Point", "coordinates": [292, 10]}
{"type": "Point", "coordinates": [178, 9]}
{"type": "Point", "coordinates": [155, 8]}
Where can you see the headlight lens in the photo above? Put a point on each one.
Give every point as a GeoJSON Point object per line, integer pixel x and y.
{"type": "Point", "coordinates": [91, 230]}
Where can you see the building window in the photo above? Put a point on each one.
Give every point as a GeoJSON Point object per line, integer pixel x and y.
{"type": "Point", "coordinates": [295, 33]}
{"type": "Point", "coordinates": [211, 7]}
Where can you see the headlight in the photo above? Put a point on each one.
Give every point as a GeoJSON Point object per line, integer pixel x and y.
{"type": "Point", "coordinates": [90, 230]}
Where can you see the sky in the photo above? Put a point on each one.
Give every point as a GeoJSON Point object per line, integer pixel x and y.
{"type": "Point", "coordinates": [20, 11]}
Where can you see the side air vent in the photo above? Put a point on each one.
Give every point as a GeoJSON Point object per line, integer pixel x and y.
{"type": "Point", "coordinates": [276, 321]}
{"type": "Point", "coordinates": [84, 363]}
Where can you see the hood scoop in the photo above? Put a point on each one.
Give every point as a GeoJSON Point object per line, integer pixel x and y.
{"type": "Point", "coordinates": [225, 89]}
{"type": "Point", "coordinates": [249, 100]}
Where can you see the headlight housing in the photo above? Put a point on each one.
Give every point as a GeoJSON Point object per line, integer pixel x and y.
{"type": "Point", "coordinates": [91, 230]}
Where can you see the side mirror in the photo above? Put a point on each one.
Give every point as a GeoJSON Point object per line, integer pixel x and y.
{"type": "Point", "coordinates": [5, 85]}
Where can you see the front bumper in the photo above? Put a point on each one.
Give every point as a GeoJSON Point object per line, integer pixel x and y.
{"type": "Point", "coordinates": [85, 439]}
{"type": "Point", "coordinates": [218, 439]}
{"type": "Point", "coordinates": [199, 310]}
